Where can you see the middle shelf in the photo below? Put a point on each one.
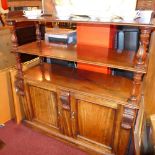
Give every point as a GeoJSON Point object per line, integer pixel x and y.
{"type": "Point", "coordinates": [115, 88]}
{"type": "Point", "coordinates": [94, 55]}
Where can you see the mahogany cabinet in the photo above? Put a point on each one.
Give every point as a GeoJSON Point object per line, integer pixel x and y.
{"type": "Point", "coordinates": [99, 113]}
{"type": "Point", "coordinates": [89, 120]}
{"type": "Point", "coordinates": [83, 117]}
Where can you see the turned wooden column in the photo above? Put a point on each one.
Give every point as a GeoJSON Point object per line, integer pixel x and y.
{"type": "Point", "coordinates": [38, 34]}
{"type": "Point", "coordinates": [143, 47]}
{"type": "Point", "coordinates": [64, 112]}
{"type": "Point", "coordinates": [136, 89]}
{"type": "Point", "coordinates": [19, 83]}
{"type": "Point", "coordinates": [141, 58]}
{"type": "Point", "coordinates": [130, 109]}
{"type": "Point", "coordinates": [38, 40]}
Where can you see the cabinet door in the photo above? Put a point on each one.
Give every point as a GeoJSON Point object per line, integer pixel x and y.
{"type": "Point", "coordinates": [64, 111]}
{"type": "Point", "coordinates": [96, 122]}
{"type": "Point", "coordinates": [43, 105]}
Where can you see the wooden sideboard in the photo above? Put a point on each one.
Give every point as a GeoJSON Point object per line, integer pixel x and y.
{"type": "Point", "coordinates": [99, 113]}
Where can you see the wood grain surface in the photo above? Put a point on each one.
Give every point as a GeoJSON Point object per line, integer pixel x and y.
{"type": "Point", "coordinates": [97, 55]}
{"type": "Point", "coordinates": [113, 87]}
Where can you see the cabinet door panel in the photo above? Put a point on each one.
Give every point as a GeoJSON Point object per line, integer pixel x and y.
{"type": "Point", "coordinates": [65, 123]}
{"type": "Point", "coordinates": [44, 105]}
{"type": "Point", "coordinates": [95, 122]}
{"type": "Point", "coordinates": [64, 112]}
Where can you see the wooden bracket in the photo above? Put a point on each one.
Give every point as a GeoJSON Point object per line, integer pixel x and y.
{"type": "Point", "coordinates": [128, 119]}
{"type": "Point", "coordinates": [65, 100]}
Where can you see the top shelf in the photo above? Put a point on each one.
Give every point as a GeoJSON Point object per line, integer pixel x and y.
{"type": "Point", "coordinates": [138, 23]}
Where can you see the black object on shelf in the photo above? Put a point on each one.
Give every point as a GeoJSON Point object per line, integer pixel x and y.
{"type": "Point", "coordinates": [26, 35]}
{"type": "Point", "coordinates": [120, 41]}
{"type": "Point", "coordinates": [123, 73]}
{"type": "Point", "coordinates": [127, 38]}
{"type": "Point", "coordinates": [61, 62]}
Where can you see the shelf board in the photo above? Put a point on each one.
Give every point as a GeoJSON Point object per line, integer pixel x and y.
{"type": "Point", "coordinates": [107, 86]}
{"type": "Point", "coordinates": [58, 52]}
{"type": "Point", "coordinates": [85, 54]}
{"type": "Point", "coordinates": [107, 57]}
{"type": "Point", "coordinates": [140, 22]}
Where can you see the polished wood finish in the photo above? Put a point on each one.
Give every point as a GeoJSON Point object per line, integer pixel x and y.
{"type": "Point", "coordinates": [64, 111]}
{"type": "Point", "coordinates": [90, 119]}
{"type": "Point", "coordinates": [141, 22]}
{"type": "Point", "coordinates": [128, 118]}
{"type": "Point", "coordinates": [49, 51]}
{"type": "Point", "coordinates": [19, 82]}
{"type": "Point", "coordinates": [149, 84]}
{"type": "Point", "coordinates": [110, 58]}
{"type": "Point", "coordinates": [152, 134]}
{"type": "Point", "coordinates": [18, 106]}
{"type": "Point", "coordinates": [92, 110]}
{"type": "Point", "coordinates": [139, 129]}
{"type": "Point", "coordinates": [137, 83]}
{"type": "Point", "coordinates": [89, 112]}
{"type": "Point", "coordinates": [107, 86]}
{"type": "Point", "coordinates": [144, 42]}
{"type": "Point", "coordinates": [44, 105]}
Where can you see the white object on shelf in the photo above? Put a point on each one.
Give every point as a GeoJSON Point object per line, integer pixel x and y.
{"type": "Point", "coordinates": [32, 14]}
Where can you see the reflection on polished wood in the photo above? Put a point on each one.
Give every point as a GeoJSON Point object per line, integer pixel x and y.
{"type": "Point", "coordinates": [92, 110]}
{"type": "Point", "coordinates": [49, 51]}
{"type": "Point", "coordinates": [106, 57]}
{"type": "Point", "coordinates": [44, 106]}
{"type": "Point", "coordinates": [112, 87]}
{"type": "Point", "coordinates": [85, 54]}
{"type": "Point", "coordinates": [103, 132]}
{"type": "Point", "coordinates": [81, 107]}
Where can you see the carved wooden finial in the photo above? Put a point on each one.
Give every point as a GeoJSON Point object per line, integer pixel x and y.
{"type": "Point", "coordinates": [143, 48]}
{"type": "Point", "coordinates": [141, 55]}
{"type": "Point", "coordinates": [145, 36]}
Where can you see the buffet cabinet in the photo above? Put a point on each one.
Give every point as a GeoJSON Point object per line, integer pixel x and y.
{"type": "Point", "coordinates": [98, 113]}
{"type": "Point", "coordinates": [79, 116]}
